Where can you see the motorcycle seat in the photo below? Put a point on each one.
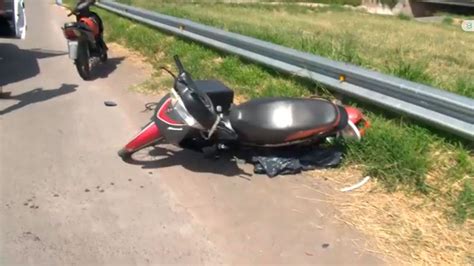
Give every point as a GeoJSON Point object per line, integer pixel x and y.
{"type": "Point", "coordinates": [282, 120]}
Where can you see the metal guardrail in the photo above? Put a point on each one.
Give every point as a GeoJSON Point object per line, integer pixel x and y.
{"type": "Point", "coordinates": [442, 109]}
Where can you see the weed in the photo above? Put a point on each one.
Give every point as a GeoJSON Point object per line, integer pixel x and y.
{"type": "Point", "coordinates": [465, 86]}
{"type": "Point", "coordinates": [396, 154]}
{"type": "Point", "coordinates": [413, 72]}
{"type": "Point", "coordinates": [403, 16]}
{"type": "Point", "coordinates": [464, 206]}
{"type": "Point", "coordinates": [448, 20]}
{"type": "Point", "coordinates": [463, 166]}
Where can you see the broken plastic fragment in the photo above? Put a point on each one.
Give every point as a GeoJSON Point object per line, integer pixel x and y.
{"type": "Point", "coordinates": [110, 103]}
{"type": "Point", "coordinates": [356, 186]}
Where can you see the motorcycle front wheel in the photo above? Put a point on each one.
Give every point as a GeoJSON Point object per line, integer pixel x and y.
{"type": "Point", "coordinates": [127, 154]}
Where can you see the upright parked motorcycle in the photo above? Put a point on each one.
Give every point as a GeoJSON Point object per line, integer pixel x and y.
{"type": "Point", "coordinates": [85, 39]}
{"type": "Point", "coordinates": [200, 115]}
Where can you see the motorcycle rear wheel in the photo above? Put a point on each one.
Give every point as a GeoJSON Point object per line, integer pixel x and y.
{"type": "Point", "coordinates": [104, 57]}
{"type": "Point", "coordinates": [83, 63]}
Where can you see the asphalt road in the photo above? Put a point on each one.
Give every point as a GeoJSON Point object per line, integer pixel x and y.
{"type": "Point", "coordinates": [67, 199]}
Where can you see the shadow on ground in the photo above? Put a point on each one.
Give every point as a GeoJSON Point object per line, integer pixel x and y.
{"type": "Point", "coordinates": [162, 157]}
{"type": "Point", "coordinates": [17, 64]}
{"type": "Point", "coordinates": [103, 70]}
{"type": "Point", "coordinates": [36, 96]}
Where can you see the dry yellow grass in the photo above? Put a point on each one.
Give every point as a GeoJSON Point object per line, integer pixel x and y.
{"type": "Point", "coordinates": [404, 229]}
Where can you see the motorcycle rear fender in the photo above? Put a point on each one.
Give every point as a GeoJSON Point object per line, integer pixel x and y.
{"type": "Point", "coordinates": [73, 47]}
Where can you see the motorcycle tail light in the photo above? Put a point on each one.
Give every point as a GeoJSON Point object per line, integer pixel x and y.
{"type": "Point", "coordinates": [71, 33]}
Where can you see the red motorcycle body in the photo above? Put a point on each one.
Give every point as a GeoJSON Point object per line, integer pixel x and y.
{"type": "Point", "coordinates": [269, 122]}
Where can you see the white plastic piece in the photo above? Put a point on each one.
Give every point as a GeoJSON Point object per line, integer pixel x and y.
{"type": "Point", "coordinates": [356, 186]}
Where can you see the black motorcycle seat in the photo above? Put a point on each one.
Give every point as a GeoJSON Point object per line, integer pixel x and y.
{"type": "Point", "coordinates": [281, 120]}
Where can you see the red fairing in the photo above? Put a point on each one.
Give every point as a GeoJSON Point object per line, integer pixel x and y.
{"type": "Point", "coordinates": [147, 136]}
{"type": "Point", "coordinates": [354, 114]}
{"type": "Point", "coordinates": [91, 24]}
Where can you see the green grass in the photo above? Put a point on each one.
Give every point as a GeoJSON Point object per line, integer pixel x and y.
{"type": "Point", "coordinates": [465, 86]}
{"type": "Point", "coordinates": [246, 78]}
{"type": "Point", "coordinates": [464, 206]}
{"type": "Point", "coordinates": [442, 54]}
{"type": "Point", "coordinates": [413, 72]}
{"type": "Point", "coordinates": [448, 20]}
{"type": "Point", "coordinates": [403, 16]}
{"type": "Point", "coordinates": [463, 166]}
{"type": "Point", "coordinates": [330, 2]}
{"type": "Point", "coordinates": [394, 151]}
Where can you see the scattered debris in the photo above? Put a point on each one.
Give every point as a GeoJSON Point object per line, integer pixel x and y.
{"type": "Point", "coordinates": [110, 103]}
{"type": "Point", "coordinates": [31, 236]}
{"type": "Point", "coordinates": [357, 185]}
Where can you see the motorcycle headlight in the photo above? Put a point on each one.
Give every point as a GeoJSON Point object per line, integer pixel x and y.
{"type": "Point", "coordinates": [181, 110]}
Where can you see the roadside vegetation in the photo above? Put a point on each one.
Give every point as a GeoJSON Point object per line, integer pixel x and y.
{"type": "Point", "coordinates": [428, 171]}
{"type": "Point", "coordinates": [437, 55]}
{"type": "Point", "coordinates": [330, 2]}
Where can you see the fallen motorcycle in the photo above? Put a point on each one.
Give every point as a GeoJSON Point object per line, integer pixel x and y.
{"type": "Point", "coordinates": [85, 39]}
{"type": "Point", "coordinates": [200, 115]}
